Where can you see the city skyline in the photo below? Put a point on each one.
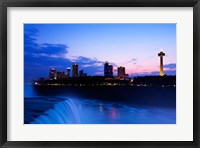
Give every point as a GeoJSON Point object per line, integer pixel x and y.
{"type": "Point", "coordinates": [108, 71]}
{"type": "Point", "coordinates": [61, 45]}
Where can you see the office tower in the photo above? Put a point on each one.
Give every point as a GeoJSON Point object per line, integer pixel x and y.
{"type": "Point", "coordinates": [108, 70]}
{"type": "Point", "coordinates": [121, 72]}
{"type": "Point", "coordinates": [161, 54]}
{"type": "Point", "coordinates": [52, 74]}
{"type": "Point", "coordinates": [68, 72]}
{"type": "Point", "coordinates": [75, 70]}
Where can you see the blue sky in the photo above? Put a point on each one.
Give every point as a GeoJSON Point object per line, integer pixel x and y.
{"type": "Point", "coordinates": [134, 46]}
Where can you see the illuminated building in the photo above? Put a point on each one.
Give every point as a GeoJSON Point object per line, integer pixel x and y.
{"type": "Point", "coordinates": [161, 55]}
{"type": "Point", "coordinates": [108, 70]}
{"type": "Point", "coordinates": [52, 74]}
{"type": "Point", "coordinates": [68, 71]}
{"type": "Point", "coordinates": [121, 72]}
{"type": "Point", "coordinates": [75, 70]}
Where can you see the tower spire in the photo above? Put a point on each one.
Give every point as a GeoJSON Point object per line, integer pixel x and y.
{"type": "Point", "coordinates": [161, 54]}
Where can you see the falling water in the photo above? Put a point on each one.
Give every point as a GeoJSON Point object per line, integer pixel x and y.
{"type": "Point", "coordinates": [71, 109]}
{"type": "Point", "coordinates": [61, 112]}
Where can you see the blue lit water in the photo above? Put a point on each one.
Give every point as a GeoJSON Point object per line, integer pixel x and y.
{"type": "Point", "coordinates": [54, 107]}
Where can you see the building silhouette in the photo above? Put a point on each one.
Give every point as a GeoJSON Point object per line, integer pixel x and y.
{"type": "Point", "coordinates": [68, 72]}
{"type": "Point", "coordinates": [121, 72]}
{"type": "Point", "coordinates": [75, 70]}
{"type": "Point", "coordinates": [52, 74]}
{"type": "Point", "coordinates": [61, 75]}
{"type": "Point", "coordinates": [82, 74]}
{"type": "Point", "coordinates": [161, 54]}
{"type": "Point", "coordinates": [108, 70]}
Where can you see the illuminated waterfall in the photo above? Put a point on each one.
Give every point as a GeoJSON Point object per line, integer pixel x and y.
{"type": "Point", "coordinates": [63, 112]}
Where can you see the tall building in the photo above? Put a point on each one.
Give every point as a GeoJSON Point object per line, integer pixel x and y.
{"type": "Point", "coordinates": [52, 74]}
{"type": "Point", "coordinates": [108, 70]}
{"type": "Point", "coordinates": [75, 70]}
{"type": "Point", "coordinates": [121, 72]}
{"type": "Point", "coordinates": [68, 71]}
{"type": "Point", "coordinates": [161, 54]}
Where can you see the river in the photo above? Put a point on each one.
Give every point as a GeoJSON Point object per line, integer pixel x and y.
{"type": "Point", "coordinates": [99, 105]}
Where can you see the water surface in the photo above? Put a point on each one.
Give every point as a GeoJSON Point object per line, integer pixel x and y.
{"type": "Point", "coordinates": [60, 105]}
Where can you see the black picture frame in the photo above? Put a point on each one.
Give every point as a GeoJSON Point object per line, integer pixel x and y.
{"type": "Point", "coordinates": [4, 4]}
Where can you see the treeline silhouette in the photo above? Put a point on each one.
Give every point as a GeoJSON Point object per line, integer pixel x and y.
{"type": "Point", "coordinates": [147, 81]}
{"type": "Point", "coordinates": [167, 81]}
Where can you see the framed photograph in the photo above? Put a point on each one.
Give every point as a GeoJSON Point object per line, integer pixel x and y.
{"type": "Point", "coordinates": [99, 73]}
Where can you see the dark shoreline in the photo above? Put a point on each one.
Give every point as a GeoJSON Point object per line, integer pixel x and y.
{"type": "Point", "coordinates": [144, 96]}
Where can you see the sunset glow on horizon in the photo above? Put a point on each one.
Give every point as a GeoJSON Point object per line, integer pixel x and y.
{"type": "Point", "coordinates": [134, 46]}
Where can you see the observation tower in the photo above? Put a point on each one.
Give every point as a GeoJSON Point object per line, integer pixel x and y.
{"type": "Point", "coordinates": [161, 54]}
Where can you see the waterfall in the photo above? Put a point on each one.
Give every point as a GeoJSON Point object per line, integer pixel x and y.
{"type": "Point", "coordinates": [62, 112]}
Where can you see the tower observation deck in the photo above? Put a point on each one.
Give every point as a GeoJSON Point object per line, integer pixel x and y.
{"type": "Point", "coordinates": [161, 54]}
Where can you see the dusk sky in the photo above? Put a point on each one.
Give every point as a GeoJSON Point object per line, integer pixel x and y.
{"type": "Point", "coordinates": [134, 46]}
